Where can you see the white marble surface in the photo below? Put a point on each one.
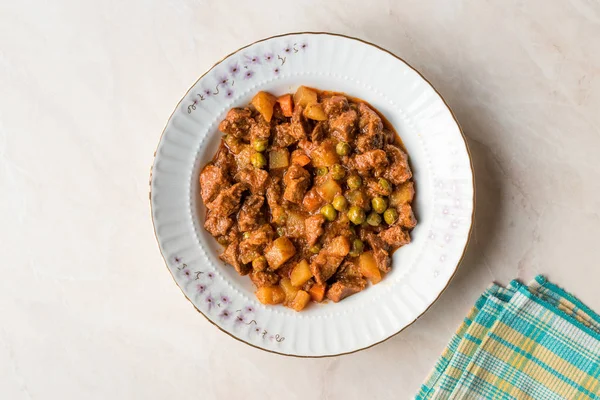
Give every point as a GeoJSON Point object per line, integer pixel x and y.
{"type": "Point", "coordinates": [87, 308]}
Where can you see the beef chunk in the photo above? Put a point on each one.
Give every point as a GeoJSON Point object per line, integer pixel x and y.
{"type": "Point", "coordinates": [228, 200]}
{"type": "Point", "coordinates": [319, 132]}
{"type": "Point", "coordinates": [217, 225]}
{"type": "Point", "coordinates": [212, 180]}
{"type": "Point", "coordinates": [237, 123]}
{"type": "Point", "coordinates": [374, 189]}
{"type": "Point", "coordinates": [282, 137]}
{"type": "Point", "coordinates": [254, 178]}
{"type": "Point", "coordinates": [249, 215]}
{"type": "Point", "coordinates": [395, 236]}
{"type": "Point", "coordinates": [399, 170]}
{"type": "Point", "coordinates": [307, 146]}
{"type": "Point", "coordinates": [224, 159]}
{"type": "Point", "coordinates": [312, 200]}
{"type": "Point", "coordinates": [231, 255]}
{"type": "Point", "coordinates": [335, 105]}
{"type": "Point", "coordinates": [274, 199]}
{"type": "Point", "coordinates": [255, 243]}
{"type": "Point", "coordinates": [343, 127]}
{"type": "Point", "coordinates": [406, 217]}
{"type": "Point", "coordinates": [389, 136]}
{"type": "Point", "coordinates": [314, 228]}
{"type": "Point", "coordinates": [344, 288]}
{"type": "Point", "coordinates": [261, 129]}
{"type": "Point", "coordinates": [373, 160]}
{"type": "Point", "coordinates": [371, 135]}
{"type": "Point", "coordinates": [380, 250]}
{"type": "Point", "coordinates": [264, 278]}
{"type": "Point", "coordinates": [299, 126]}
{"type": "Point", "coordinates": [296, 182]}
{"type": "Point", "coordinates": [329, 258]}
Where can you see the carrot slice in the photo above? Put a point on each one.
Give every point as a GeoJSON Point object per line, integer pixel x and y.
{"type": "Point", "coordinates": [317, 292]}
{"type": "Point", "coordinates": [286, 104]}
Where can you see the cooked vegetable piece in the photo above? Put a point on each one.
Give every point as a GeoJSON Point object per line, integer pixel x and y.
{"type": "Point", "coordinates": [315, 111]}
{"type": "Point", "coordinates": [374, 219]}
{"type": "Point", "coordinates": [279, 158]}
{"type": "Point", "coordinates": [264, 103]}
{"type": "Point", "coordinates": [317, 292]}
{"type": "Point", "coordinates": [379, 204]}
{"type": "Point", "coordinates": [289, 290]}
{"type": "Point", "coordinates": [356, 215]}
{"type": "Point", "coordinates": [342, 149]}
{"type": "Point", "coordinates": [337, 172]}
{"type": "Point", "coordinates": [279, 251]}
{"type": "Point", "coordinates": [354, 182]}
{"type": "Point", "coordinates": [329, 189]}
{"type": "Point", "coordinates": [304, 96]}
{"type": "Point", "coordinates": [368, 267]}
{"type": "Point", "coordinates": [403, 194]}
{"type": "Point", "coordinates": [315, 249]}
{"type": "Point", "coordinates": [258, 160]}
{"type": "Point", "coordinates": [390, 215]}
{"type": "Point", "coordinates": [300, 158]}
{"type": "Point", "coordinates": [340, 203]}
{"type": "Point", "coordinates": [300, 301]}
{"type": "Point", "coordinates": [270, 295]}
{"type": "Point", "coordinates": [295, 224]}
{"type": "Point", "coordinates": [324, 155]}
{"type": "Point", "coordinates": [287, 106]}
{"type": "Point", "coordinates": [260, 145]}
{"type": "Point", "coordinates": [357, 248]}
{"type": "Point", "coordinates": [300, 274]}
{"type": "Point", "coordinates": [329, 212]}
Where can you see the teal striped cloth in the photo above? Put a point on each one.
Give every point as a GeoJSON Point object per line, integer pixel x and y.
{"type": "Point", "coordinates": [531, 341]}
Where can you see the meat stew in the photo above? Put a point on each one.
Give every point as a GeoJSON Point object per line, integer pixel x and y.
{"type": "Point", "coordinates": [309, 194]}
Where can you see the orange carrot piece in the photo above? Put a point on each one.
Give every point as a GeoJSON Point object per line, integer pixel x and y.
{"type": "Point", "coordinates": [286, 104]}
{"type": "Point", "coordinates": [317, 292]}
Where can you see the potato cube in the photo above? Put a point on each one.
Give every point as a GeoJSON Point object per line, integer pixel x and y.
{"type": "Point", "coordinates": [289, 290]}
{"type": "Point", "coordinates": [324, 155]}
{"type": "Point", "coordinates": [368, 267]}
{"type": "Point", "coordinates": [279, 158]}
{"type": "Point", "coordinates": [315, 111]}
{"type": "Point", "coordinates": [403, 194]}
{"type": "Point", "coordinates": [300, 301]}
{"type": "Point", "coordinates": [329, 189]}
{"type": "Point", "coordinates": [305, 96]}
{"type": "Point", "coordinates": [300, 274]}
{"type": "Point", "coordinates": [264, 103]}
{"type": "Point", "coordinates": [270, 295]}
{"type": "Point", "coordinates": [295, 224]}
{"type": "Point", "coordinates": [279, 251]}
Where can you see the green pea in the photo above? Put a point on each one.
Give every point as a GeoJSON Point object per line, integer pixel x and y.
{"type": "Point", "coordinates": [390, 215]}
{"type": "Point", "coordinates": [342, 149]}
{"type": "Point", "coordinates": [322, 171]}
{"type": "Point", "coordinates": [329, 212]}
{"type": "Point", "coordinates": [354, 182]}
{"type": "Point", "coordinates": [315, 249]}
{"type": "Point", "coordinates": [374, 219]}
{"type": "Point", "coordinates": [259, 262]}
{"type": "Point", "coordinates": [356, 215]}
{"type": "Point", "coordinates": [337, 172]}
{"type": "Point", "coordinates": [260, 145]}
{"type": "Point", "coordinates": [246, 235]}
{"type": "Point", "coordinates": [280, 231]}
{"type": "Point", "coordinates": [340, 203]}
{"type": "Point", "coordinates": [385, 185]}
{"type": "Point", "coordinates": [379, 204]}
{"type": "Point", "coordinates": [258, 160]}
{"type": "Point", "coordinates": [357, 248]}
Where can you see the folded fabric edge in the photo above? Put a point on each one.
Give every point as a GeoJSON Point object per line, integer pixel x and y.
{"type": "Point", "coordinates": [542, 281]}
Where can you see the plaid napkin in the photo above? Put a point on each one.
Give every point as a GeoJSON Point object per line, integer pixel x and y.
{"type": "Point", "coordinates": [521, 342]}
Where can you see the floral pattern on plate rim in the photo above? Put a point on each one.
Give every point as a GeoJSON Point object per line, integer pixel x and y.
{"type": "Point", "coordinates": [221, 305]}
{"type": "Point", "coordinates": [245, 70]}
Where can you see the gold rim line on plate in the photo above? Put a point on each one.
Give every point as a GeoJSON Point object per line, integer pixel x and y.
{"type": "Point", "coordinates": [466, 147]}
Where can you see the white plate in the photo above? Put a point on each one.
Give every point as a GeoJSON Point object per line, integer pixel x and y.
{"type": "Point", "coordinates": [442, 174]}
